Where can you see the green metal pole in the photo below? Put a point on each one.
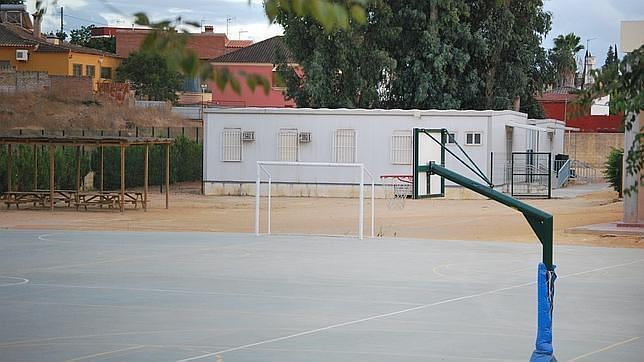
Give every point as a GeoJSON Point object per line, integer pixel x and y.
{"type": "Point", "coordinates": [540, 221]}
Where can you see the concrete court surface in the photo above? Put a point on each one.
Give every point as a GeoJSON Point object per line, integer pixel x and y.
{"type": "Point", "coordinates": [118, 296]}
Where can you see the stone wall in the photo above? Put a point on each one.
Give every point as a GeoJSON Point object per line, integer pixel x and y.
{"type": "Point", "coordinates": [592, 148]}
{"type": "Point", "coordinates": [75, 87]}
{"type": "Point", "coordinates": [15, 82]}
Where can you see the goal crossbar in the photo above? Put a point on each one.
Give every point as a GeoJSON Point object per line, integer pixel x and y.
{"type": "Point", "coordinates": [262, 167]}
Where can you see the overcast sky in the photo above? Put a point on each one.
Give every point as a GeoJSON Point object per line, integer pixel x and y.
{"type": "Point", "coordinates": [594, 20]}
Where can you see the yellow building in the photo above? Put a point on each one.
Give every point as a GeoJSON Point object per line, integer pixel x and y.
{"type": "Point", "coordinates": [22, 51]}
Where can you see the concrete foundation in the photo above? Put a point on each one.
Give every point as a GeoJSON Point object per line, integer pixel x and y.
{"type": "Point", "coordinates": [317, 190]}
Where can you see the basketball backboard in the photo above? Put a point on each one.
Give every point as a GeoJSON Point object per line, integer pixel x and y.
{"type": "Point", "coordinates": [429, 146]}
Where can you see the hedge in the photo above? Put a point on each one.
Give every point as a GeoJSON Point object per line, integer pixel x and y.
{"type": "Point", "coordinates": [185, 165]}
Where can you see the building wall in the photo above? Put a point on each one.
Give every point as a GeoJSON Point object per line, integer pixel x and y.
{"type": "Point", "coordinates": [13, 82]}
{"type": "Point", "coordinates": [75, 87]}
{"type": "Point", "coordinates": [247, 97]}
{"type": "Point", "coordinates": [61, 63]}
{"type": "Point", "coordinates": [592, 148]}
{"type": "Point", "coordinates": [205, 45]}
{"type": "Point", "coordinates": [98, 62]}
{"type": "Point", "coordinates": [373, 128]}
{"type": "Point", "coordinates": [568, 112]}
{"type": "Point", "coordinates": [128, 41]}
{"type": "Point", "coordinates": [53, 63]}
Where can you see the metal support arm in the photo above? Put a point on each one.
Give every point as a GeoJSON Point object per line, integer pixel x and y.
{"type": "Point", "coordinates": [540, 221]}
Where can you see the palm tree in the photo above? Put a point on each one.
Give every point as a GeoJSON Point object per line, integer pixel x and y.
{"type": "Point", "coordinates": [563, 59]}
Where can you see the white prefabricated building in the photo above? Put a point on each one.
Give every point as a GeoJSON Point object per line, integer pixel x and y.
{"type": "Point", "coordinates": [236, 138]}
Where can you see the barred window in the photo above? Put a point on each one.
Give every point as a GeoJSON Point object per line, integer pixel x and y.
{"type": "Point", "coordinates": [473, 138]}
{"type": "Point", "coordinates": [77, 70]}
{"type": "Point", "coordinates": [401, 145]}
{"type": "Point", "coordinates": [287, 144]}
{"type": "Point", "coordinates": [90, 70]}
{"type": "Point", "coordinates": [344, 145]}
{"type": "Point", "coordinates": [106, 72]}
{"type": "Point", "coordinates": [231, 149]}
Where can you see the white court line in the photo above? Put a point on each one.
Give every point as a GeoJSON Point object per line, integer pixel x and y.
{"type": "Point", "coordinates": [22, 281]}
{"type": "Point", "coordinates": [604, 349]}
{"type": "Point", "coordinates": [105, 353]}
{"type": "Point", "coordinates": [379, 316]}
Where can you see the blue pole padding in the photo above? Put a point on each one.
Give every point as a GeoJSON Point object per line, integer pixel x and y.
{"type": "Point", "coordinates": [545, 301]}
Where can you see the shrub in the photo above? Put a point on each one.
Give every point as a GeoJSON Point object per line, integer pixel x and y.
{"type": "Point", "coordinates": [185, 165]}
{"type": "Point", "coordinates": [613, 169]}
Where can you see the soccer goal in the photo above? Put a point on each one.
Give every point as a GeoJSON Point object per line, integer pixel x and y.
{"type": "Point", "coordinates": [264, 169]}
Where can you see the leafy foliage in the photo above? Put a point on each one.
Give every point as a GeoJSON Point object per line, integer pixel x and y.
{"type": "Point", "coordinates": [186, 164]}
{"type": "Point", "coordinates": [611, 57]}
{"type": "Point", "coordinates": [150, 76]}
{"type": "Point", "coordinates": [613, 169]}
{"type": "Point", "coordinates": [420, 54]}
{"type": "Point", "coordinates": [83, 37]}
{"type": "Point", "coordinates": [23, 170]}
{"type": "Point", "coordinates": [562, 57]}
{"type": "Point", "coordinates": [623, 80]}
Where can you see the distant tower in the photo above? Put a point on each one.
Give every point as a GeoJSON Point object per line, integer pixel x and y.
{"type": "Point", "coordinates": [589, 64]}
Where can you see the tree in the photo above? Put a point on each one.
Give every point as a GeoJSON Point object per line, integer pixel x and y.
{"type": "Point", "coordinates": [623, 80]}
{"type": "Point", "coordinates": [343, 67]}
{"type": "Point", "coordinates": [61, 35]}
{"type": "Point", "coordinates": [420, 54]}
{"type": "Point", "coordinates": [150, 76]}
{"type": "Point", "coordinates": [563, 59]}
{"type": "Point", "coordinates": [83, 37]}
{"type": "Point", "coordinates": [165, 41]}
{"type": "Point", "coordinates": [610, 57]}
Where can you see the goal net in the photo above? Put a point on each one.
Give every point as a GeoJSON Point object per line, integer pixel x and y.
{"type": "Point", "coordinates": [268, 172]}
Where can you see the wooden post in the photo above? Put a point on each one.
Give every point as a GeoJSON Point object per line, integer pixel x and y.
{"type": "Point", "coordinates": [145, 177]}
{"type": "Point", "coordinates": [167, 175]}
{"type": "Point", "coordinates": [122, 195]}
{"type": "Point", "coordinates": [51, 177]}
{"type": "Point", "coordinates": [101, 167]}
{"type": "Point", "coordinates": [9, 167]}
{"type": "Point", "coordinates": [78, 171]}
{"type": "Point", "coordinates": [35, 158]}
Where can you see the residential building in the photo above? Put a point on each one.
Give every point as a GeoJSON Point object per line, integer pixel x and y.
{"type": "Point", "coordinates": [560, 104]}
{"type": "Point", "coordinates": [23, 48]}
{"type": "Point", "coordinates": [259, 59]}
{"type": "Point", "coordinates": [206, 44]}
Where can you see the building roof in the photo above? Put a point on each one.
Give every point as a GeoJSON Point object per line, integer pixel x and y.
{"type": "Point", "coordinates": [238, 43]}
{"type": "Point", "coordinates": [561, 94]}
{"type": "Point", "coordinates": [16, 36]}
{"type": "Point", "coordinates": [263, 52]}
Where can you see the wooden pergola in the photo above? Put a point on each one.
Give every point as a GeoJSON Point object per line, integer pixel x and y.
{"type": "Point", "coordinates": [79, 141]}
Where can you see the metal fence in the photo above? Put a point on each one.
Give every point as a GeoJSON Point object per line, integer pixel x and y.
{"type": "Point", "coordinates": [192, 133]}
{"type": "Point", "coordinates": [531, 174]}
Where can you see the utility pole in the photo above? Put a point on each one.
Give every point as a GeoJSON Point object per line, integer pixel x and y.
{"type": "Point", "coordinates": [61, 20]}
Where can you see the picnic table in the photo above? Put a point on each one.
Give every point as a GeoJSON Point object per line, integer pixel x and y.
{"type": "Point", "coordinates": [37, 197]}
{"type": "Point", "coordinates": [108, 198]}
{"type": "Point", "coordinates": [42, 198]}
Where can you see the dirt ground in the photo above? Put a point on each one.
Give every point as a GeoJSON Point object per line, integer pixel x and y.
{"type": "Point", "coordinates": [430, 219]}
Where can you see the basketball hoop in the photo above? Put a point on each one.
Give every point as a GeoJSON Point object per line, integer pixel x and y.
{"type": "Point", "coordinates": [397, 189]}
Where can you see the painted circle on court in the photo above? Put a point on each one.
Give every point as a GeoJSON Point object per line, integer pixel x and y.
{"type": "Point", "coordinates": [12, 281]}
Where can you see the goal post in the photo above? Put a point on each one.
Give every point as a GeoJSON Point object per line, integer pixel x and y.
{"type": "Point", "coordinates": [263, 169]}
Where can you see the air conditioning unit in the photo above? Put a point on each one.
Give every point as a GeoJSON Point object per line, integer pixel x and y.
{"type": "Point", "coordinates": [22, 54]}
{"type": "Point", "coordinates": [304, 137]}
{"type": "Point", "coordinates": [248, 136]}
